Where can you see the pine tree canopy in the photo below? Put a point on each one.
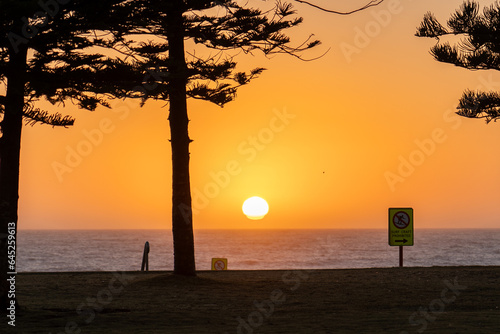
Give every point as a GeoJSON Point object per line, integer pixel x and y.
{"type": "Point", "coordinates": [478, 49]}
{"type": "Point", "coordinates": [61, 59]}
{"type": "Point", "coordinates": [222, 27]}
{"type": "Point", "coordinates": [69, 49]}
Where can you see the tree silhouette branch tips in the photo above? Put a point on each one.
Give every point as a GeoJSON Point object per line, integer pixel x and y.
{"type": "Point", "coordinates": [478, 49]}
{"type": "Point", "coordinates": [480, 105]}
{"type": "Point", "coordinates": [479, 46]}
{"type": "Point", "coordinates": [247, 29]}
{"type": "Point", "coordinates": [430, 27]}
{"type": "Point", "coordinates": [35, 115]}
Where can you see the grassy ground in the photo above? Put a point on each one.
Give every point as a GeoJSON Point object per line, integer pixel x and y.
{"type": "Point", "coordinates": [390, 300]}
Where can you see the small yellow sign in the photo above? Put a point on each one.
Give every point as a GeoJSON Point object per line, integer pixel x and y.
{"type": "Point", "coordinates": [219, 264]}
{"type": "Point", "coordinates": [400, 227]}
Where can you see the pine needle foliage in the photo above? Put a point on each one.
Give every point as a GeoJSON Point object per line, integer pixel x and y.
{"type": "Point", "coordinates": [478, 49]}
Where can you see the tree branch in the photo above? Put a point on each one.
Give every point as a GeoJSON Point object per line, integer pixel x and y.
{"type": "Point", "coordinates": [35, 115]}
{"type": "Point", "coordinates": [372, 3]}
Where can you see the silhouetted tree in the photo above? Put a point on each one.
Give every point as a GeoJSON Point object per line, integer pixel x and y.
{"type": "Point", "coordinates": [220, 25]}
{"type": "Point", "coordinates": [42, 56]}
{"type": "Point", "coordinates": [44, 53]}
{"type": "Point", "coordinates": [479, 49]}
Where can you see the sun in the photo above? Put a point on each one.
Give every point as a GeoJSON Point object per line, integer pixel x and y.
{"type": "Point", "coordinates": [255, 208]}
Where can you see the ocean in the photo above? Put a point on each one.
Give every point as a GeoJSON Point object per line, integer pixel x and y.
{"type": "Point", "coordinates": [122, 250]}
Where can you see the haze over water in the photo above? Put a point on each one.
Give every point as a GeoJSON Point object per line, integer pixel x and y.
{"type": "Point", "coordinates": [121, 250]}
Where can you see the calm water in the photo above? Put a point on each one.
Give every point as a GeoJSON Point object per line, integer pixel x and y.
{"type": "Point", "coordinates": [249, 249]}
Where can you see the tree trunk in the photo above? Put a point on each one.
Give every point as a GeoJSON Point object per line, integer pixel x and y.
{"type": "Point", "coordinates": [10, 147]}
{"type": "Point", "coordinates": [182, 218]}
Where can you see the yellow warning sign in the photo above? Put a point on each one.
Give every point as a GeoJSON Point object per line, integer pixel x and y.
{"type": "Point", "coordinates": [219, 264]}
{"type": "Point", "coordinates": [400, 227]}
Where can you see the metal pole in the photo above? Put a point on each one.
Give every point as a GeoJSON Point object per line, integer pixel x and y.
{"type": "Point", "coordinates": [145, 257]}
{"type": "Point", "coordinates": [400, 256]}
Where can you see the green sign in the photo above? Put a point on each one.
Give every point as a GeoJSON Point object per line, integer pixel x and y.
{"type": "Point", "coordinates": [400, 227]}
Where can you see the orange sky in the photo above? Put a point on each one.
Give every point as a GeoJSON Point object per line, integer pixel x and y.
{"type": "Point", "coordinates": [331, 143]}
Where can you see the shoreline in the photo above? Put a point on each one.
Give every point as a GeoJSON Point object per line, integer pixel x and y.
{"type": "Point", "coordinates": [257, 270]}
{"type": "Point", "coordinates": [455, 299]}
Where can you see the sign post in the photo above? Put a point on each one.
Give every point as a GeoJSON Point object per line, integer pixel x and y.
{"type": "Point", "coordinates": [400, 229]}
{"type": "Point", "coordinates": [219, 264]}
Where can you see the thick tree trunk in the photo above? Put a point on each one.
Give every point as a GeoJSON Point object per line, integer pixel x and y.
{"type": "Point", "coordinates": [182, 218]}
{"type": "Point", "coordinates": [10, 147]}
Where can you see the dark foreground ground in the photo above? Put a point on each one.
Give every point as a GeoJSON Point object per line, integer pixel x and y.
{"type": "Point", "coordinates": [391, 300]}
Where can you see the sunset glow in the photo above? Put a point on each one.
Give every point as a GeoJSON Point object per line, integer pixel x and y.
{"type": "Point", "coordinates": [329, 143]}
